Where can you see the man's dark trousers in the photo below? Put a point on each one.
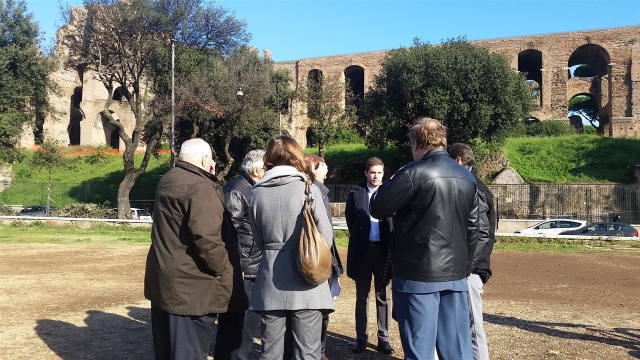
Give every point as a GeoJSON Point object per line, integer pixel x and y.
{"type": "Point", "coordinates": [372, 264]}
{"type": "Point", "coordinates": [181, 337]}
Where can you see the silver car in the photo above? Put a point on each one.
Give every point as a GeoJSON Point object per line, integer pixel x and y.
{"type": "Point", "coordinates": [552, 226]}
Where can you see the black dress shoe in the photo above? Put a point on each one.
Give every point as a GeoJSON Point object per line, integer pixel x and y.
{"type": "Point", "coordinates": [384, 347]}
{"type": "Point", "coordinates": [360, 346]}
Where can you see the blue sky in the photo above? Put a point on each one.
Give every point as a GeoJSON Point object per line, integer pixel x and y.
{"type": "Point", "coordinates": [297, 29]}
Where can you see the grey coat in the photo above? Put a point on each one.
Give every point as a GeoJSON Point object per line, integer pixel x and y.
{"type": "Point", "coordinates": [276, 222]}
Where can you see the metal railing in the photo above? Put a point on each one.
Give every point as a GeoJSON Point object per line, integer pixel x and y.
{"type": "Point", "coordinates": [589, 202]}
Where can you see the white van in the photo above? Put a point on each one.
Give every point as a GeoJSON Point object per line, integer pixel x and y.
{"type": "Point", "coordinates": [137, 214]}
{"type": "Point", "coordinates": [140, 214]}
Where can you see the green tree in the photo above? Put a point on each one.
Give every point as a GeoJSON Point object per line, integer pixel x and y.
{"type": "Point", "coordinates": [124, 41]}
{"type": "Point", "coordinates": [330, 106]}
{"type": "Point", "coordinates": [584, 70]}
{"type": "Point", "coordinates": [475, 93]}
{"type": "Point", "coordinates": [23, 77]}
{"type": "Point", "coordinates": [49, 157]}
{"type": "Point", "coordinates": [208, 104]}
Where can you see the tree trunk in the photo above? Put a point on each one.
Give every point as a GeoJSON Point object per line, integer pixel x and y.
{"type": "Point", "coordinates": [221, 174]}
{"type": "Point", "coordinates": [321, 148]}
{"type": "Point", "coordinates": [124, 208]}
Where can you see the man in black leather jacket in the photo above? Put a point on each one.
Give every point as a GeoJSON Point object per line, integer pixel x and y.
{"type": "Point", "coordinates": [237, 193]}
{"type": "Point", "coordinates": [463, 155]}
{"type": "Point", "coordinates": [433, 202]}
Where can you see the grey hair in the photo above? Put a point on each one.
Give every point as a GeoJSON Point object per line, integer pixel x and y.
{"type": "Point", "coordinates": [253, 159]}
{"type": "Point", "coordinates": [193, 150]}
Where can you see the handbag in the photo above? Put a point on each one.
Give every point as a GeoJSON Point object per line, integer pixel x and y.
{"type": "Point", "coordinates": [314, 255]}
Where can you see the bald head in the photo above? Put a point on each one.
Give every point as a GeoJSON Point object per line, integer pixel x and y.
{"type": "Point", "coordinates": [197, 152]}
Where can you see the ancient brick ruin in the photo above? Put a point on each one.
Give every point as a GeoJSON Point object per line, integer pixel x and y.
{"type": "Point", "coordinates": [613, 54]}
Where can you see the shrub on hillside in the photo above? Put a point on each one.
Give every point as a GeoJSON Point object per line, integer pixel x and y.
{"type": "Point", "coordinates": [6, 210]}
{"type": "Point", "coordinates": [489, 165]}
{"type": "Point", "coordinates": [343, 135]}
{"type": "Point", "coordinates": [98, 156]}
{"type": "Point", "coordinates": [550, 128]}
{"type": "Point", "coordinates": [85, 210]}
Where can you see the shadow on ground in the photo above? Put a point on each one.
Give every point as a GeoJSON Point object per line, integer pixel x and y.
{"type": "Point", "coordinates": [624, 337]}
{"type": "Point", "coordinates": [110, 336]}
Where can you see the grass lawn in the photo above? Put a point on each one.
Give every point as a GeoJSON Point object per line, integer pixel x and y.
{"type": "Point", "coordinates": [21, 232]}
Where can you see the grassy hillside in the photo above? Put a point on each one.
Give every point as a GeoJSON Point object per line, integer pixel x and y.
{"type": "Point", "coordinates": [85, 183]}
{"type": "Point", "coordinates": [569, 159]}
{"type": "Point", "coordinates": [572, 159]}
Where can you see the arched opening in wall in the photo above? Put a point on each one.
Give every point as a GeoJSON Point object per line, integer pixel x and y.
{"type": "Point", "coordinates": [354, 79]}
{"type": "Point", "coordinates": [314, 94]}
{"type": "Point", "coordinates": [530, 64]}
{"type": "Point", "coordinates": [118, 94]}
{"type": "Point", "coordinates": [588, 60]}
{"type": "Point", "coordinates": [531, 120]}
{"type": "Point", "coordinates": [75, 116]}
{"type": "Point", "coordinates": [114, 141]}
{"type": "Point", "coordinates": [535, 90]}
{"type": "Point", "coordinates": [111, 132]}
{"type": "Point", "coordinates": [584, 114]}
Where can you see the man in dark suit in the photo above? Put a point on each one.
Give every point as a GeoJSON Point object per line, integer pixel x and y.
{"type": "Point", "coordinates": [366, 257]}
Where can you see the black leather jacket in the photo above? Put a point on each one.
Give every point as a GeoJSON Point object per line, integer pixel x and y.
{"type": "Point", "coordinates": [434, 205]}
{"type": "Point", "coordinates": [484, 249]}
{"type": "Point", "coordinates": [236, 198]}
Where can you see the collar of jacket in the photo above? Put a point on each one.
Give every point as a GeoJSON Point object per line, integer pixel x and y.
{"type": "Point", "coordinates": [247, 177]}
{"type": "Point", "coordinates": [281, 171]}
{"type": "Point", "coordinates": [196, 170]}
{"type": "Point", "coordinates": [435, 152]}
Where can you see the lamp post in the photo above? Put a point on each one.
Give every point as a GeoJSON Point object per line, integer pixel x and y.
{"type": "Point", "coordinates": [173, 105]}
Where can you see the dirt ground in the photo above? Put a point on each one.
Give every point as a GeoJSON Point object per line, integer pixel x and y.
{"type": "Point", "coordinates": [82, 301]}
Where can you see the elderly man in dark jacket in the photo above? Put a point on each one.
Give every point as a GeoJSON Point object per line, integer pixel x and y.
{"type": "Point", "coordinates": [189, 275]}
{"type": "Point", "coordinates": [236, 329]}
{"type": "Point", "coordinates": [433, 202]}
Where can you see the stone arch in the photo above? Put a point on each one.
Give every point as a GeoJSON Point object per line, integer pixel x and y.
{"type": "Point", "coordinates": [314, 89]}
{"type": "Point", "coordinates": [530, 64]}
{"type": "Point", "coordinates": [118, 94]}
{"type": "Point", "coordinates": [531, 120]}
{"type": "Point", "coordinates": [76, 115]}
{"type": "Point", "coordinates": [593, 55]}
{"type": "Point", "coordinates": [577, 118]}
{"type": "Point", "coordinates": [111, 132]}
{"type": "Point", "coordinates": [355, 76]}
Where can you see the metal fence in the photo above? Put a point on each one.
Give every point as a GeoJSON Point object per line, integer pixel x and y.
{"type": "Point", "coordinates": [590, 202]}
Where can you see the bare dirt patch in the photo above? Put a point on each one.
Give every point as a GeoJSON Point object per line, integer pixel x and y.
{"type": "Point", "coordinates": [84, 301]}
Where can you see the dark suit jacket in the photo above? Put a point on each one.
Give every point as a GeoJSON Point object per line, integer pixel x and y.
{"type": "Point", "coordinates": [359, 224]}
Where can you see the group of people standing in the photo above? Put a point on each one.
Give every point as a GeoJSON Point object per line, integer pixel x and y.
{"type": "Point", "coordinates": [231, 253]}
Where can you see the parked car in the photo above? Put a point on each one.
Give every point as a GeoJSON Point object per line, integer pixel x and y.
{"type": "Point", "coordinates": [552, 226]}
{"type": "Point", "coordinates": [604, 229]}
{"type": "Point", "coordinates": [36, 210]}
{"type": "Point", "coordinates": [137, 214]}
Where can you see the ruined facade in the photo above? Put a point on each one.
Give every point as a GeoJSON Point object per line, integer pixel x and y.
{"type": "Point", "coordinates": [548, 60]}
{"type": "Point", "coordinates": [79, 102]}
